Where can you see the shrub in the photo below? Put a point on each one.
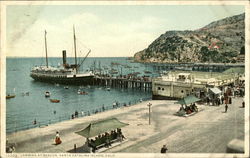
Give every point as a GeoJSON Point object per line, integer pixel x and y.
{"type": "Point", "coordinates": [242, 50]}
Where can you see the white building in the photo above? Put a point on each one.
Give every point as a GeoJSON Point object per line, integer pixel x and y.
{"type": "Point", "coordinates": [175, 86]}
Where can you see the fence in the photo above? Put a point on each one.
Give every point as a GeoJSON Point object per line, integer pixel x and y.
{"type": "Point", "coordinates": [81, 113]}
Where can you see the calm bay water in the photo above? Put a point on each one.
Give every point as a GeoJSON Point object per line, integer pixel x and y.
{"type": "Point", "coordinates": [22, 110]}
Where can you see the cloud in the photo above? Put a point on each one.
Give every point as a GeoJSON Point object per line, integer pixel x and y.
{"type": "Point", "coordinates": [105, 38]}
{"type": "Point", "coordinates": [81, 19]}
{"type": "Point", "coordinates": [19, 19]}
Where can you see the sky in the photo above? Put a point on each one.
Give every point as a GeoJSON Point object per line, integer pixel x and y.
{"type": "Point", "coordinates": [108, 30]}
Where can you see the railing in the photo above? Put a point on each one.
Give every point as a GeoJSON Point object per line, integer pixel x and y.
{"type": "Point", "coordinates": [81, 113]}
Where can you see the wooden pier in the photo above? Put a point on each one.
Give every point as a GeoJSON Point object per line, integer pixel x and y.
{"type": "Point", "coordinates": [145, 83]}
{"type": "Point", "coordinates": [206, 67]}
{"type": "Point", "coordinates": [142, 83]}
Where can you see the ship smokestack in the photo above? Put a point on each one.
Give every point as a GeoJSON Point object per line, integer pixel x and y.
{"type": "Point", "coordinates": [64, 57]}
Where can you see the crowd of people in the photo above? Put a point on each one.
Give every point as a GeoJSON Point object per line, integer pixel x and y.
{"type": "Point", "coordinates": [10, 147]}
{"type": "Point", "coordinates": [226, 95]}
{"type": "Point", "coordinates": [103, 108]}
{"type": "Point", "coordinates": [188, 109]}
{"type": "Point", "coordinates": [216, 101]}
{"type": "Point", "coordinates": [105, 139]}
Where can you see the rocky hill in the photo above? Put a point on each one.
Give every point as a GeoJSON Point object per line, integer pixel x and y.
{"type": "Point", "coordinates": [219, 41]}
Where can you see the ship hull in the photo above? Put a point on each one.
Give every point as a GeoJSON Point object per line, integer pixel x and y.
{"type": "Point", "coordinates": [83, 80]}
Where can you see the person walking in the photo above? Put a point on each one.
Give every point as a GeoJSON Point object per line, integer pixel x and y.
{"type": "Point", "coordinates": [226, 107]}
{"type": "Point", "coordinates": [164, 149]}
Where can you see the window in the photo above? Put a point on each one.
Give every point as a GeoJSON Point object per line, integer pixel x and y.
{"type": "Point", "coordinates": [181, 91]}
{"type": "Point", "coordinates": [162, 89]}
{"type": "Point", "coordinates": [159, 88]}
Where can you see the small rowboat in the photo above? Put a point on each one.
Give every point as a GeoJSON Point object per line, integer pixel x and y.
{"type": "Point", "coordinates": [47, 94]}
{"type": "Point", "coordinates": [10, 96]}
{"type": "Point", "coordinates": [54, 100]}
{"type": "Point", "coordinates": [82, 93]}
{"type": "Point", "coordinates": [147, 72]}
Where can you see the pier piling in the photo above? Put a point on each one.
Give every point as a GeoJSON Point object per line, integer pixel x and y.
{"type": "Point", "coordinates": [142, 83]}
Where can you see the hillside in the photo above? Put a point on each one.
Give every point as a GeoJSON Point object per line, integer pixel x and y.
{"type": "Point", "coordinates": [219, 41]}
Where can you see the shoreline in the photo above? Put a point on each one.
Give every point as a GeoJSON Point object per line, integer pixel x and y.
{"type": "Point", "coordinates": [165, 128]}
{"type": "Point", "coordinates": [72, 125]}
{"type": "Point", "coordinates": [81, 114]}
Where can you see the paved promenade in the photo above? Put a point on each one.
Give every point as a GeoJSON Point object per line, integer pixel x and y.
{"type": "Point", "coordinates": [208, 131]}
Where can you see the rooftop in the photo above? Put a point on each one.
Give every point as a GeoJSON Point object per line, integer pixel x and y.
{"type": "Point", "coordinates": [210, 78]}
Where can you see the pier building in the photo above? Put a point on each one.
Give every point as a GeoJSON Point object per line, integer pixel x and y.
{"type": "Point", "coordinates": [177, 85]}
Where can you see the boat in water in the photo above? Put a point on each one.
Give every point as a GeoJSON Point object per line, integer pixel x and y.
{"type": "Point", "coordinates": [115, 63]}
{"type": "Point", "coordinates": [81, 92]}
{"type": "Point", "coordinates": [108, 89]}
{"type": "Point", "coordinates": [66, 73]}
{"type": "Point", "coordinates": [47, 94]}
{"type": "Point", "coordinates": [147, 72]}
{"type": "Point", "coordinates": [10, 96]}
{"type": "Point", "coordinates": [54, 101]}
{"type": "Point", "coordinates": [113, 71]}
{"type": "Point", "coordinates": [184, 68]}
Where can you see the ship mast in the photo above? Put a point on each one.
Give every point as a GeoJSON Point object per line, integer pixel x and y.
{"type": "Point", "coordinates": [75, 48]}
{"type": "Point", "coordinates": [45, 33]}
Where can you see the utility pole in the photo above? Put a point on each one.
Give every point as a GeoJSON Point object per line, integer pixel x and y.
{"type": "Point", "coordinates": [45, 33]}
{"type": "Point", "coordinates": [75, 47]}
{"type": "Point", "coordinates": [149, 116]}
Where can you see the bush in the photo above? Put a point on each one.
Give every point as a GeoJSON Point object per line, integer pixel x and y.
{"type": "Point", "coordinates": [242, 50]}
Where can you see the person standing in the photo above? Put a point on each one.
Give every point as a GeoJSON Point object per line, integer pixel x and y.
{"type": "Point", "coordinates": [114, 104]}
{"type": "Point", "coordinates": [208, 100]}
{"type": "Point", "coordinates": [243, 104]}
{"type": "Point", "coordinates": [222, 99]}
{"type": "Point", "coordinates": [103, 108]}
{"type": "Point", "coordinates": [58, 139]}
{"type": "Point", "coordinates": [34, 122]}
{"type": "Point", "coordinates": [164, 149]}
{"type": "Point", "coordinates": [76, 113]}
{"type": "Point", "coordinates": [230, 100]}
{"type": "Point", "coordinates": [226, 107]}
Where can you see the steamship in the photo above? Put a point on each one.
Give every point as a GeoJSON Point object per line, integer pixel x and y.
{"type": "Point", "coordinates": [66, 73]}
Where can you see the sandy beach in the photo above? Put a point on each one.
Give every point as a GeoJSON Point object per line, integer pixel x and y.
{"type": "Point", "coordinates": [208, 131]}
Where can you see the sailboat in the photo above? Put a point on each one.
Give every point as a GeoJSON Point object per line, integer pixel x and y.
{"type": "Point", "coordinates": [66, 74]}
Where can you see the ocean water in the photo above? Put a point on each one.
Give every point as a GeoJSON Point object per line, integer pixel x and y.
{"type": "Point", "coordinates": [22, 110]}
